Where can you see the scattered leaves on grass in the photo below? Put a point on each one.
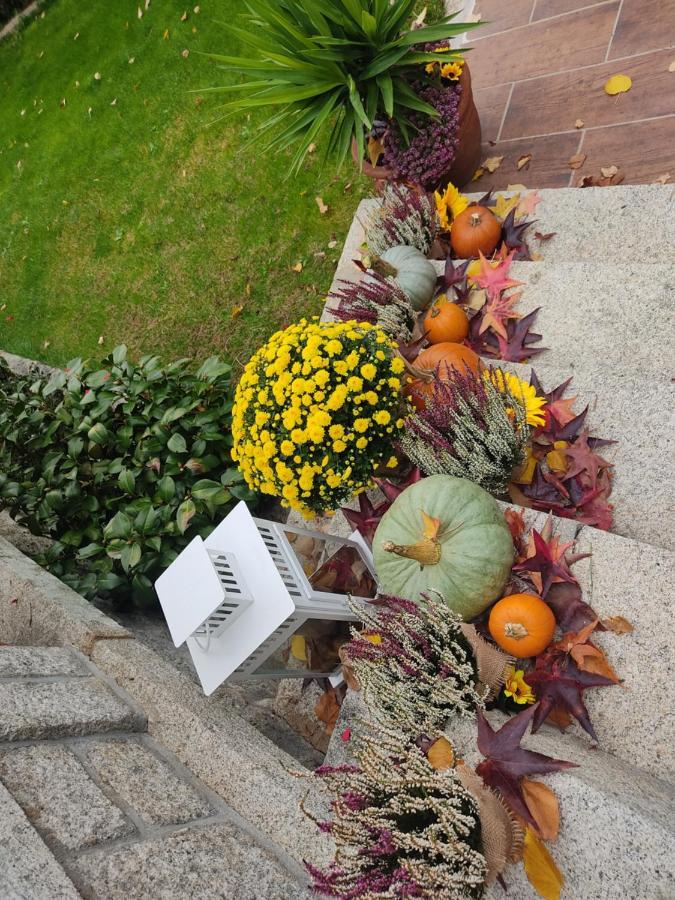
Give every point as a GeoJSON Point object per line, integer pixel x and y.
{"type": "Point", "coordinates": [524, 161]}
{"type": "Point", "coordinates": [332, 244]}
{"type": "Point", "coordinates": [618, 84]}
{"type": "Point", "coordinates": [97, 76]}
{"type": "Point", "coordinates": [185, 53]}
{"type": "Point", "coordinates": [297, 267]}
{"type": "Point", "coordinates": [577, 161]}
{"type": "Point", "coordinates": [540, 868]}
{"type": "Point", "coordinates": [323, 209]}
{"type": "Point", "coordinates": [506, 763]}
{"type": "Point", "coordinates": [579, 123]}
{"type": "Point", "coordinates": [543, 806]}
{"type": "Point", "coordinates": [236, 311]}
{"type": "Point", "coordinates": [165, 36]}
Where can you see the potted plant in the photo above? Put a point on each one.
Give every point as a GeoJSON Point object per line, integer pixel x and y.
{"type": "Point", "coordinates": [357, 68]}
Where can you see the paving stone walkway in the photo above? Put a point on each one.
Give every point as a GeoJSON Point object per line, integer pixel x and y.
{"type": "Point", "coordinates": [91, 806]}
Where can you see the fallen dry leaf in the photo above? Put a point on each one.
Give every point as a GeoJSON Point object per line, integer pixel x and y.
{"type": "Point", "coordinates": [348, 672]}
{"type": "Point", "coordinates": [542, 872]}
{"type": "Point", "coordinates": [236, 311]}
{"type": "Point", "coordinates": [577, 161]}
{"type": "Point", "coordinates": [671, 67]}
{"type": "Point", "coordinates": [441, 754]}
{"type": "Point", "coordinates": [166, 34]}
{"type": "Point", "coordinates": [492, 163]}
{"type": "Point", "coordinates": [332, 245]}
{"type": "Point", "coordinates": [579, 123]}
{"type": "Point", "coordinates": [323, 209]}
{"type": "Point", "coordinates": [100, 341]}
{"type": "Point", "coordinates": [297, 267]}
{"type": "Point", "coordinates": [478, 174]}
{"type": "Point", "coordinates": [618, 84]}
{"type": "Point", "coordinates": [375, 150]}
{"type": "Point", "coordinates": [663, 179]}
{"type": "Point", "coordinates": [183, 18]}
{"type": "Point", "coordinates": [97, 76]}
{"type": "Point", "coordinates": [609, 171]}
{"type": "Point", "coordinates": [617, 625]}
{"type": "Point", "coordinates": [185, 53]}
{"type": "Point", "coordinates": [311, 148]}
{"type": "Point", "coordinates": [545, 237]}
{"type": "Point", "coordinates": [543, 806]}
{"type": "Point", "coordinates": [328, 709]}
{"type": "Point", "coordinates": [587, 181]}
{"type": "Point", "coordinates": [524, 161]}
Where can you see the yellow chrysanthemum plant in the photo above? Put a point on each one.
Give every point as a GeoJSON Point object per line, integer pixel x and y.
{"type": "Point", "coordinates": [449, 205]}
{"type": "Point", "coordinates": [316, 413]}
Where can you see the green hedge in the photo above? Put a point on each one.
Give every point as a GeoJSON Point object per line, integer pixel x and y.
{"type": "Point", "coordinates": [122, 464]}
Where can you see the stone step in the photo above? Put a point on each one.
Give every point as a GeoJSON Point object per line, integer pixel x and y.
{"type": "Point", "coordinates": [28, 870]}
{"type": "Point", "coordinates": [635, 410]}
{"type": "Point", "coordinates": [592, 224]}
{"type": "Point", "coordinates": [52, 693]}
{"type": "Point", "coordinates": [617, 823]}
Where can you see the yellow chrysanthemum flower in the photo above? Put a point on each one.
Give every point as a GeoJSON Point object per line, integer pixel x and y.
{"type": "Point", "coordinates": [517, 688]}
{"type": "Point", "coordinates": [524, 393]}
{"type": "Point", "coordinates": [449, 205]}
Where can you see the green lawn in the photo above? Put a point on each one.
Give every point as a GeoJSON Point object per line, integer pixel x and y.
{"type": "Point", "coordinates": [124, 215]}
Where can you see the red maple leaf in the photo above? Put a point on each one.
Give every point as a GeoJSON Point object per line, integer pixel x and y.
{"type": "Point", "coordinates": [584, 460]}
{"type": "Point", "coordinates": [366, 519]}
{"type": "Point", "coordinates": [494, 279]}
{"type": "Point", "coordinates": [496, 311]}
{"type": "Point", "coordinates": [571, 612]}
{"type": "Point", "coordinates": [506, 762]}
{"type": "Point", "coordinates": [548, 562]}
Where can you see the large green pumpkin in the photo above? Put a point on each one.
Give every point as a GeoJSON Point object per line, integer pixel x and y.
{"type": "Point", "coordinates": [448, 535]}
{"type": "Point", "coordinates": [412, 272]}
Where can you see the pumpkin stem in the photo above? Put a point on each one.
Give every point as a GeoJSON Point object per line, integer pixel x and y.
{"type": "Point", "coordinates": [420, 374]}
{"type": "Point", "coordinates": [475, 220]}
{"type": "Point", "coordinates": [426, 552]}
{"type": "Point", "coordinates": [515, 630]}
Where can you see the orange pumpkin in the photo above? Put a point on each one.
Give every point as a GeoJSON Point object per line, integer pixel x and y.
{"type": "Point", "coordinates": [475, 229]}
{"type": "Point", "coordinates": [522, 625]}
{"type": "Point", "coordinates": [446, 321]}
{"type": "Point", "coordinates": [437, 363]}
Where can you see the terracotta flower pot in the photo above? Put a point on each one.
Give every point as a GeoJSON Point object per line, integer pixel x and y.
{"type": "Point", "coordinates": [467, 159]}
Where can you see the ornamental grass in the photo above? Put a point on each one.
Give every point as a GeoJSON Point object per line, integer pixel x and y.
{"type": "Point", "coordinates": [316, 413]}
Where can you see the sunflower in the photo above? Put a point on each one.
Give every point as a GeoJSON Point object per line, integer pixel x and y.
{"type": "Point", "coordinates": [517, 688]}
{"type": "Point", "coordinates": [449, 205]}
{"type": "Point", "coordinates": [524, 394]}
{"type": "Point", "coordinates": [452, 71]}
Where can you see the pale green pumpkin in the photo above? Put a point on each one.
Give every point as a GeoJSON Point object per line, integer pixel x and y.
{"type": "Point", "coordinates": [448, 535]}
{"type": "Point", "coordinates": [412, 272]}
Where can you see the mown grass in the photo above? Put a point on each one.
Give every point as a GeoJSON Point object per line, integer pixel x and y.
{"type": "Point", "coordinates": [125, 216]}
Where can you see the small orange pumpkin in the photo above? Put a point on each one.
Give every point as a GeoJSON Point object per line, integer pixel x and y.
{"type": "Point", "coordinates": [446, 321]}
{"type": "Point", "coordinates": [437, 363]}
{"type": "Point", "coordinates": [476, 229]}
{"type": "Point", "coordinates": [522, 625]}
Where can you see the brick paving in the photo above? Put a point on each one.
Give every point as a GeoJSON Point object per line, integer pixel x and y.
{"type": "Point", "coordinates": [539, 66]}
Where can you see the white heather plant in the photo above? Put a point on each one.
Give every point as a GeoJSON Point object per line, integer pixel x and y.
{"type": "Point", "coordinates": [402, 828]}
{"type": "Point", "coordinates": [414, 664]}
{"type": "Point", "coordinates": [402, 216]}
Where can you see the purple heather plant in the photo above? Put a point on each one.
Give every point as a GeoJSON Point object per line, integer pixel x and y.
{"type": "Point", "coordinates": [429, 155]}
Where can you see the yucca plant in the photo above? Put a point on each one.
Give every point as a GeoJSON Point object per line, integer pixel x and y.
{"type": "Point", "coordinates": [343, 62]}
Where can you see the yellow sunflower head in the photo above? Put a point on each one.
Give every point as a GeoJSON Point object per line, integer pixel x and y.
{"type": "Point", "coordinates": [449, 205]}
{"type": "Point", "coordinates": [523, 393]}
{"type": "Point", "coordinates": [452, 71]}
{"type": "Point", "coordinates": [516, 687]}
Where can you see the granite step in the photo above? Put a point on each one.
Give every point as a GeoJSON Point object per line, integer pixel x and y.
{"type": "Point", "coordinates": [617, 821]}
{"type": "Point", "coordinates": [55, 693]}
{"type": "Point", "coordinates": [636, 411]}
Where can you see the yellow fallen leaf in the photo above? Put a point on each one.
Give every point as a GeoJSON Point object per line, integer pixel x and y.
{"type": "Point", "coordinates": [523, 161]}
{"type": "Point", "coordinates": [372, 638]}
{"type": "Point", "coordinates": [541, 870]}
{"type": "Point", "coordinates": [579, 123]}
{"type": "Point", "coordinates": [441, 754]}
{"type": "Point", "coordinates": [556, 459]}
{"type": "Point", "coordinates": [297, 267]}
{"type": "Point", "coordinates": [618, 84]}
{"type": "Point", "coordinates": [502, 205]}
{"type": "Point", "coordinates": [183, 18]}
{"type": "Point", "coordinates": [100, 341]}
{"type": "Point", "coordinates": [543, 806]}
{"type": "Point", "coordinates": [375, 150]}
{"type": "Point", "coordinates": [492, 163]}
{"type": "Point", "coordinates": [248, 289]}
{"type": "Point", "coordinates": [478, 174]}
{"type": "Point", "coordinates": [299, 648]}
{"type": "Point", "coordinates": [236, 311]}
{"type": "Point", "coordinates": [311, 148]}
{"type": "Point", "coordinates": [166, 34]}
{"type": "Point", "coordinates": [577, 161]}
{"type": "Point", "coordinates": [323, 209]}
{"type": "Point", "coordinates": [671, 67]}
{"type": "Point", "coordinates": [608, 171]}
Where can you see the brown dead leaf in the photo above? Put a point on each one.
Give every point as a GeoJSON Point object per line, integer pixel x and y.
{"type": "Point", "coordinates": [590, 658]}
{"type": "Point", "coordinates": [542, 872]}
{"type": "Point", "coordinates": [441, 754]}
{"type": "Point", "coordinates": [543, 806]}
{"type": "Point", "coordinates": [375, 150]}
{"type": "Point", "coordinates": [297, 267]}
{"type": "Point", "coordinates": [478, 174]}
{"type": "Point", "coordinates": [609, 171]}
{"type": "Point", "coordinates": [348, 672]}
{"type": "Point", "coordinates": [524, 161]}
{"type": "Point", "coordinates": [492, 163]}
{"type": "Point", "coordinates": [577, 161]}
{"type": "Point", "coordinates": [545, 237]}
{"type": "Point", "coordinates": [328, 709]}
{"type": "Point", "coordinates": [323, 209]}
{"type": "Point", "coordinates": [560, 718]}
{"type": "Point", "coordinates": [617, 625]}
{"type": "Point", "coordinates": [579, 123]}
{"type": "Point", "coordinates": [587, 181]}
{"type": "Point", "coordinates": [663, 179]}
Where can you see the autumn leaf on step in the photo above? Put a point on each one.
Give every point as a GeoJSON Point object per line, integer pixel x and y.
{"type": "Point", "coordinates": [502, 205]}
{"type": "Point", "coordinates": [513, 235]}
{"type": "Point", "coordinates": [618, 84]}
{"type": "Point", "coordinates": [547, 562]}
{"type": "Point", "coordinates": [571, 612]}
{"type": "Point", "coordinates": [559, 683]}
{"type": "Point", "coordinates": [375, 150]}
{"type": "Point", "coordinates": [585, 654]}
{"type": "Point", "coordinates": [392, 490]}
{"type": "Point", "coordinates": [523, 162]}
{"type": "Point", "coordinates": [545, 237]}
{"type": "Point", "coordinates": [492, 163]}
{"type": "Point", "coordinates": [543, 806]}
{"type": "Point", "coordinates": [540, 868]}
{"type": "Point", "coordinates": [617, 625]}
{"type": "Point", "coordinates": [455, 277]}
{"type": "Point", "coordinates": [528, 204]}
{"type": "Point", "coordinates": [515, 519]}
{"type": "Point", "coordinates": [495, 279]}
{"type": "Point", "coordinates": [585, 460]}
{"type": "Point", "coordinates": [506, 762]}
{"type": "Point", "coordinates": [366, 519]}
{"type": "Point", "coordinates": [498, 310]}
{"type": "Point", "coordinates": [327, 709]}
{"type": "Point", "coordinates": [517, 346]}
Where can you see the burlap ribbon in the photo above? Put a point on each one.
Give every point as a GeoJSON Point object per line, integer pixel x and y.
{"type": "Point", "coordinates": [492, 663]}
